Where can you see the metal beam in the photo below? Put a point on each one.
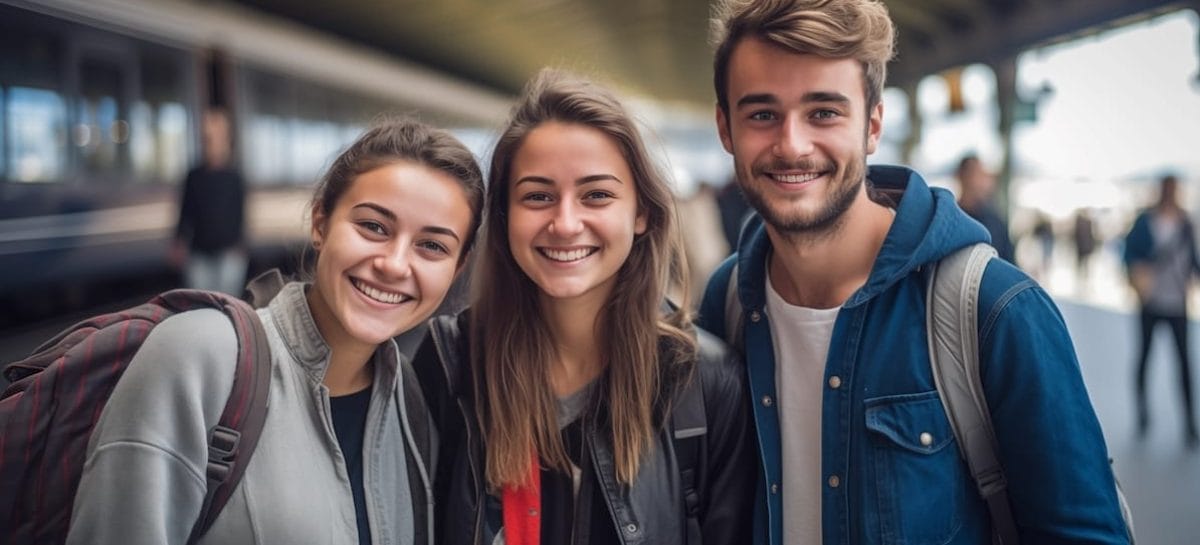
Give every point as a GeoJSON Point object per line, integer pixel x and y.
{"type": "Point", "coordinates": [1004, 37]}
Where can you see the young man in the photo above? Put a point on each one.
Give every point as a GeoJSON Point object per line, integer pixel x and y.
{"type": "Point", "coordinates": [855, 445]}
{"type": "Point", "coordinates": [1161, 257]}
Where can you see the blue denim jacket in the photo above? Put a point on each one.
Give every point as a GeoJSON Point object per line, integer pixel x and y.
{"type": "Point", "coordinates": [882, 485]}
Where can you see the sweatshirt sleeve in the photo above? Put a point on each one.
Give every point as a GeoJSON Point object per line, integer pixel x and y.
{"type": "Point", "coordinates": [144, 478]}
{"type": "Point", "coordinates": [1061, 486]}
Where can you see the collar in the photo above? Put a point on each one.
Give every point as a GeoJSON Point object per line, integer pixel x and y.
{"type": "Point", "coordinates": [294, 321]}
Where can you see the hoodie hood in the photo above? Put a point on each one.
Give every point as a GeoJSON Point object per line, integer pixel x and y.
{"type": "Point", "coordinates": [928, 226]}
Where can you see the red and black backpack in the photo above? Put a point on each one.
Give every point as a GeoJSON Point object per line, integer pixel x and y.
{"type": "Point", "coordinates": [56, 394]}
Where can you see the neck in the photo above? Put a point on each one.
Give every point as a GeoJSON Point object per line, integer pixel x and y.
{"type": "Point", "coordinates": [349, 371]}
{"type": "Point", "coordinates": [573, 329]}
{"type": "Point", "coordinates": [823, 269]}
{"type": "Point", "coordinates": [350, 368]}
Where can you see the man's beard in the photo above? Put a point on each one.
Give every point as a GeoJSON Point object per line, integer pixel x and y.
{"type": "Point", "coordinates": [842, 189]}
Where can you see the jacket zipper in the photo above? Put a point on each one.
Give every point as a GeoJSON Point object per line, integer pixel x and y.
{"type": "Point", "coordinates": [438, 344]}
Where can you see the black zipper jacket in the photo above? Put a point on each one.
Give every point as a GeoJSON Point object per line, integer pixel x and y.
{"type": "Point", "coordinates": [652, 510]}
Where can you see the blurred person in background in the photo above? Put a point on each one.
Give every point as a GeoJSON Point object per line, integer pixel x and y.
{"type": "Point", "coordinates": [209, 243]}
{"type": "Point", "coordinates": [734, 211]}
{"type": "Point", "coordinates": [1084, 234]}
{"type": "Point", "coordinates": [977, 187]}
{"type": "Point", "coordinates": [703, 236]}
{"type": "Point", "coordinates": [1161, 260]}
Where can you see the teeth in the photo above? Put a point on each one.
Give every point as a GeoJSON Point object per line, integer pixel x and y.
{"type": "Point", "coordinates": [567, 255]}
{"type": "Point", "coordinates": [796, 178]}
{"type": "Point", "coordinates": [380, 295]}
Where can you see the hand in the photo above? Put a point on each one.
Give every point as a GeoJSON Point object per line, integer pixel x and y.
{"type": "Point", "coordinates": [1141, 277]}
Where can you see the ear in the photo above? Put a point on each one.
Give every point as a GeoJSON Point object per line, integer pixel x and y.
{"type": "Point", "coordinates": [874, 127]}
{"type": "Point", "coordinates": [639, 223]}
{"type": "Point", "coordinates": [723, 129]}
{"type": "Point", "coordinates": [318, 226]}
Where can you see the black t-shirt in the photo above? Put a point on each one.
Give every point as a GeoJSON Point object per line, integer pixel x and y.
{"type": "Point", "coordinates": [212, 212]}
{"type": "Point", "coordinates": [349, 420]}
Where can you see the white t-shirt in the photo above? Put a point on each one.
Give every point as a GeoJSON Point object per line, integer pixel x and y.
{"type": "Point", "coordinates": [801, 336]}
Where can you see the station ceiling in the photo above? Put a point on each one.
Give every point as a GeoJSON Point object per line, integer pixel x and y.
{"type": "Point", "coordinates": [660, 47]}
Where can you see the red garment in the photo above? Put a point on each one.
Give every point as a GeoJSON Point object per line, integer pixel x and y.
{"type": "Point", "coordinates": [523, 510]}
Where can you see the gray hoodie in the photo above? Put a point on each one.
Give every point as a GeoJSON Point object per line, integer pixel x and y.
{"type": "Point", "coordinates": [144, 479]}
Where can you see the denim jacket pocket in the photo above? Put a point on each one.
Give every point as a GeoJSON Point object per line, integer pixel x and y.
{"type": "Point", "coordinates": [918, 476]}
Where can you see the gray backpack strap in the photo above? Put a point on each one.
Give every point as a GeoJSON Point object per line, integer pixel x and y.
{"type": "Point", "coordinates": [952, 312]}
{"type": "Point", "coordinates": [733, 313]}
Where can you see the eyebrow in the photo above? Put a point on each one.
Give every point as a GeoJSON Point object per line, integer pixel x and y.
{"type": "Point", "coordinates": [815, 96]}
{"type": "Point", "coordinates": [584, 180]}
{"type": "Point", "coordinates": [391, 216]}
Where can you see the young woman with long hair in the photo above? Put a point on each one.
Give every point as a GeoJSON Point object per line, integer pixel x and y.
{"type": "Point", "coordinates": [344, 456]}
{"type": "Point", "coordinates": [559, 393]}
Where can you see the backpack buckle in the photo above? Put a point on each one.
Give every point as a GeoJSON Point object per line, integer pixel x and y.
{"type": "Point", "coordinates": [992, 481]}
{"type": "Point", "coordinates": [222, 446]}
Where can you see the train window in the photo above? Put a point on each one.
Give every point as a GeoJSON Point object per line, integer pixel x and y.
{"type": "Point", "coordinates": [36, 135]}
{"type": "Point", "coordinates": [267, 143]}
{"type": "Point", "coordinates": [101, 131]}
{"type": "Point", "coordinates": [159, 132]}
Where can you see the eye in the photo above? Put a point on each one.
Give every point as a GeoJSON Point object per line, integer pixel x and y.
{"type": "Point", "coordinates": [598, 195]}
{"type": "Point", "coordinates": [537, 198]}
{"type": "Point", "coordinates": [373, 227]}
{"type": "Point", "coordinates": [762, 115]}
{"type": "Point", "coordinates": [826, 114]}
{"type": "Point", "coordinates": [434, 246]}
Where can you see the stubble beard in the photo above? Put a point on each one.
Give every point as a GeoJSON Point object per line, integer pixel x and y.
{"type": "Point", "coordinates": [843, 188]}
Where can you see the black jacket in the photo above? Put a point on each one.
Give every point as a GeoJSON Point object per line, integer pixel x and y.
{"type": "Point", "coordinates": [652, 510]}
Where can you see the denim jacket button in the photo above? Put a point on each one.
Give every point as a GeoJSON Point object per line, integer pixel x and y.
{"type": "Point", "coordinates": [767, 401]}
{"type": "Point", "coordinates": [755, 316]}
{"type": "Point", "coordinates": [926, 439]}
{"type": "Point", "coordinates": [835, 382]}
{"type": "Point", "coordinates": [774, 488]}
{"type": "Point", "coordinates": [631, 528]}
{"type": "Point", "coordinates": [834, 481]}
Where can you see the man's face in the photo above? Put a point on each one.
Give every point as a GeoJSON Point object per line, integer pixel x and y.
{"type": "Point", "coordinates": [799, 133]}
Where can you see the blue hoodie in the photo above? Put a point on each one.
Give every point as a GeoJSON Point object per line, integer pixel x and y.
{"type": "Point", "coordinates": [889, 487]}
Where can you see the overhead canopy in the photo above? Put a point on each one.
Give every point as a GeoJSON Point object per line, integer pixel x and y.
{"type": "Point", "coordinates": [660, 47]}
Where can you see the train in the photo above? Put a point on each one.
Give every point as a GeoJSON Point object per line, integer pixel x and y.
{"type": "Point", "coordinates": [99, 122]}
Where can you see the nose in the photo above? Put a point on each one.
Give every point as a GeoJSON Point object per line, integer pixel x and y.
{"type": "Point", "coordinates": [566, 221]}
{"type": "Point", "coordinates": [794, 139]}
{"type": "Point", "coordinates": [395, 261]}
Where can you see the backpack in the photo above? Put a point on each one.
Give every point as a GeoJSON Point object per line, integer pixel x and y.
{"type": "Point", "coordinates": [951, 302]}
{"type": "Point", "coordinates": [689, 425]}
{"type": "Point", "coordinates": [48, 412]}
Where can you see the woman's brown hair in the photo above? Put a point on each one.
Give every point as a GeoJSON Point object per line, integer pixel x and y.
{"type": "Point", "coordinates": [644, 344]}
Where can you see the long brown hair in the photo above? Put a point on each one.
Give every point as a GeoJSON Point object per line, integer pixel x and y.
{"type": "Point", "coordinates": [511, 346]}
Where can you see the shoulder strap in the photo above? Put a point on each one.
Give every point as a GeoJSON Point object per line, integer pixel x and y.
{"type": "Point", "coordinates": [733, 313]}
{"type": "Point", "coordinates": [232, 441]}
{"type": "Point", "coordinates": [952, 313]}
{"type": "Point", "coordinates": [689, 426]}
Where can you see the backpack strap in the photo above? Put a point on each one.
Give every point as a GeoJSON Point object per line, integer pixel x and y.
{"type": "Point", "coordinates": [233, 439]}
{"type": "Point", "coordinates": [733, 312]}
{"type": "Point", "coordinates": [952, 311]}
{"type": "Point", "coordinates": [689, 425]}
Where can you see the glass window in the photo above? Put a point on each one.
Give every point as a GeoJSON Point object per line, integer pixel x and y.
{"type": "Point", "coordinates": [37, 135]}
{"type": "Point", "coordinates": [100, 131]}
{"type": "Point", "coordinates": [159, 131]}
